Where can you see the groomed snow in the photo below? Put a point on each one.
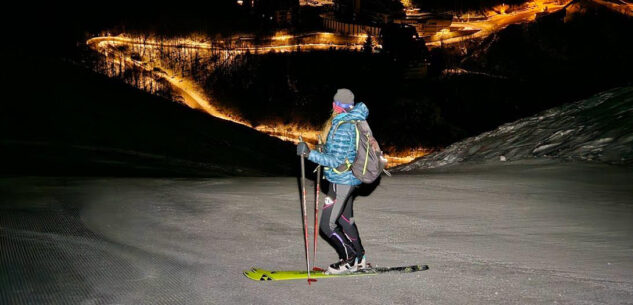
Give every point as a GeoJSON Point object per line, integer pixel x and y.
{"type": "Point", "coordinates": [496, 233]}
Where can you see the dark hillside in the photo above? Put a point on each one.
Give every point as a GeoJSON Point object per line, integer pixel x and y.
{"type": "Point", "coordinates": [59, 119]}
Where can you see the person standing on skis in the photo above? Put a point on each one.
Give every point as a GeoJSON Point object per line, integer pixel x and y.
{"type": "Point", "coordinates": [337, 217]}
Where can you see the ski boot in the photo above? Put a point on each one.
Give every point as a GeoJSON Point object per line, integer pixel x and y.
{"type": "Point", "coordinates": [342, 266]}
{"type": "Point", "coordinates": [362, 264]}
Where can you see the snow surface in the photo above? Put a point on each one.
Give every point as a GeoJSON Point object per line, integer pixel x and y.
{"type": "Point", "coordinates": [529, 232]}
{"type": "Point", "coordinates": [597, 129]}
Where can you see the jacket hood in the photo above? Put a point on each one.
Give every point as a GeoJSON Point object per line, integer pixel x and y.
{"type": "Point", "coordinates": [359, 112]}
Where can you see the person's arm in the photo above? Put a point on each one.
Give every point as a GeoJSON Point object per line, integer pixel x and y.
{"type": "Point", "coordinates": [341, 144]}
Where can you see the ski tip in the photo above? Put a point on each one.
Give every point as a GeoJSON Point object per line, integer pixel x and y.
{"type": "Point", "coordinates": [310, 281]}
{"type": "Point", "coordinates": [317, 269]}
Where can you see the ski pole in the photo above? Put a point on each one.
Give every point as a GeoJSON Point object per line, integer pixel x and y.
{"type": "Point", "coordinates": [316, 211]}
{"type": "Point", "coordinates": [305, 214]}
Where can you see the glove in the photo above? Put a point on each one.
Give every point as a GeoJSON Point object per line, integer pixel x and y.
{"type": "Point", "coordinates": [302, 149]}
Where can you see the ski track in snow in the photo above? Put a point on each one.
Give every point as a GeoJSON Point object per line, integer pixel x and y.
{"type": "Point", "coordinates": [528, 232]}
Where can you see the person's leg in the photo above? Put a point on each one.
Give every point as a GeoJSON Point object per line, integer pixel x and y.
{"type": "Point", "coordinates": [332, 210]}
{"type": "Point", "coordinates": [346, 221]}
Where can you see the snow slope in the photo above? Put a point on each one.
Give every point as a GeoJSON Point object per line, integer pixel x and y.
{"type": "Point", "coordinates": [527, 232]}
{"type": "Point", "coordinates": [599, 129]}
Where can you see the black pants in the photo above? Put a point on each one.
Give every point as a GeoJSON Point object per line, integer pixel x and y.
{"type": "Point", "coordinates": [337, 221]}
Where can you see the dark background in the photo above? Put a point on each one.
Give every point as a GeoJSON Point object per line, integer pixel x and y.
{"type": "Point", "coordinates": [52, 100]}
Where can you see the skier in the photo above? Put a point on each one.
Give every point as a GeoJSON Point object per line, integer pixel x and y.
{"type": "Point", "coordinates": [337, 216]}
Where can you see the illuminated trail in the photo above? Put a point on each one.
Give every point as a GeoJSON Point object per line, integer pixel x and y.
{"type": "Point", "coordinates": [194, 97]}
{"type": "Point", "coordinates": [316, 41]}
{"type": "Point", "coordinates": [498, 20]}
{"type": "Point", "coordinates": [188, 90]}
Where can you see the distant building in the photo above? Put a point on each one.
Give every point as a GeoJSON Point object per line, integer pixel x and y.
{"type": "Point", "coordinates": [368, 11]}
{"type": "Point", "coordinates": [280, 12]}
{"type": "Point", "coordinates": [357, 17]}
{"type": "Point", "coordinates": [316, 3]}
{"type": "Point", "coordinates": [331, 23]}
{"type": "Point", "coordinates": [353, 17]}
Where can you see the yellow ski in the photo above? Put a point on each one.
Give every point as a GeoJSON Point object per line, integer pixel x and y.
{"type": "Point", "coordinates": [283, 275]}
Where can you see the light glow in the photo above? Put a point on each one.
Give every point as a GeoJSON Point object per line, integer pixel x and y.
{"type": "Point", "coordinates": [118, 51]}
{"type": "Point", "coordinates": [474, 25]}
{"type": "Point", "coordinates": [154, 57]}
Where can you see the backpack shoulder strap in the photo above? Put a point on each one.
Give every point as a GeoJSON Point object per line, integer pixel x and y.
{"type": "Point", "coordinates": [355, 122]}
{"type": "Point", "coordinates": [347, 165]}
{"type": "Point", "coordinates": [343, 122]}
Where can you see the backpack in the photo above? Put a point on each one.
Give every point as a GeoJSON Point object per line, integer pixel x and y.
{"type": "Point", "coordinates": [369, 162]}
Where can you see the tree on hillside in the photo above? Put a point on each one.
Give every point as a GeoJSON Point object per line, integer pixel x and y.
{"type": "Point", "coordinates": [368, 46]}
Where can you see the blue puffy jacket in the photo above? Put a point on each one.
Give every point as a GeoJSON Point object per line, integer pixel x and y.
{"type": "Point", "coordinates": [340, 145]}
